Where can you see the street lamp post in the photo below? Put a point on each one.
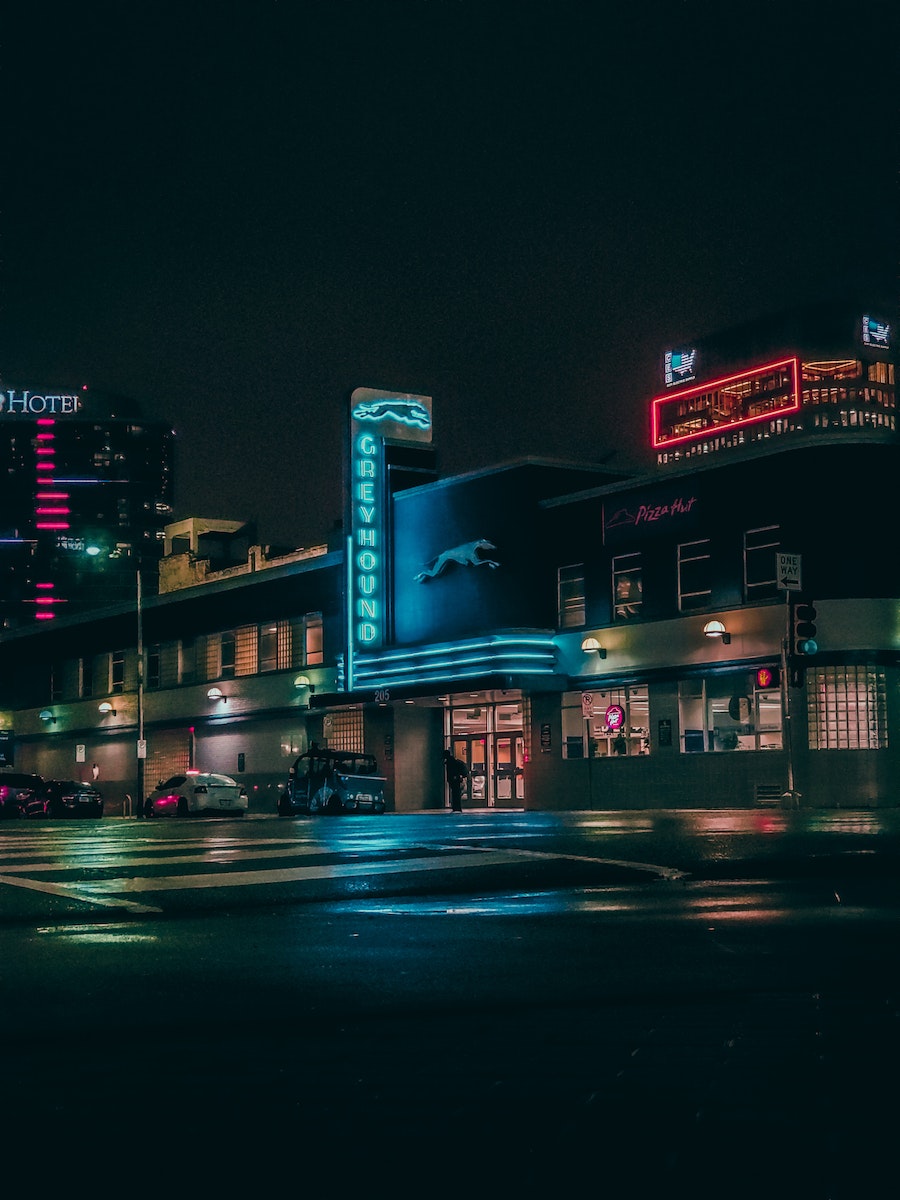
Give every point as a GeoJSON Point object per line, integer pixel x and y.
{"type": "Point", "coordinates": [141, 743]}
{"type": "Point", "coordinates": [138, 800]}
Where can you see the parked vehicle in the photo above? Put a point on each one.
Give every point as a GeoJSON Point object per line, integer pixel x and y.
{"type": "Point", "coordinates": [332, 781]}
{"type": "Point", "coordinates": [62, 798]}
{"type": "Point", "coordinates": [16, 789]}
{"type": "Point", "coordinates": [197, 792]}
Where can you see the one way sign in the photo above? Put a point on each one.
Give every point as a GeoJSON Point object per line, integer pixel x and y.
{"type": "Point", "coordinates": [789, 572]}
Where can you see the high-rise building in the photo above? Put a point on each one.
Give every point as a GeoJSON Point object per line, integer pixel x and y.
{"type": "Point", "coordinates": [85, 494]}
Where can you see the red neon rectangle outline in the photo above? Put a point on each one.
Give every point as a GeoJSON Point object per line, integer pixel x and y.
{"type": "Point", "coordinates": [711, 385]}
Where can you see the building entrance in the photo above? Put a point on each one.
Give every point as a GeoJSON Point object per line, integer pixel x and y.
{"type": "Point", "coordinates": [489, 738]}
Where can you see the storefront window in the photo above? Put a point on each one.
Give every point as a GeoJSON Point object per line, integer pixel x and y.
{"type": "Point", "coordinates": [618, 725]}
{"type": "Point", "coordinates": [728, 712]}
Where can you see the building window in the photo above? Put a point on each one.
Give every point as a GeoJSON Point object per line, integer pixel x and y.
{"type": "Point", "coordinates": [246, 650]}
{"type": "Point", "coordinates": [268, 647]}
{"type": "Point", "coordinates": [274, 653]}
{"type": "Point", "coordinates": [227, 655]}
{"type": "Point", "coordinates": [313, 640]}
{"type": "Point", "coordinates": [694, 576]}
{"type": "Point", "coordinates": [570, 596]}
{"type": "Point", "coordinates": [346, 731]}
{"type": "Point", "coordinates": [187, 660]}
{"type": "Point", "coordinates": [154, 660]}
{"type": "Point", "coordinates": [760, 547]}
{"type": "Point", "coordinates": [728, 712]}
{"type": "Point", "coordinates": [85, 678]}
{"type": "Point", "coordinates": [628, 586]}
{"type": "Point", "coordinates": [117, 671]}
{"type": "Point", "coordinates": [847, 708]}
{"type": "Point", "coordinates": [619, 724]}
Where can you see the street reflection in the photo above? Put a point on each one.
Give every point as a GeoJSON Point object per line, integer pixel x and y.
{"type": "Point", "coordinates": [96, 933]}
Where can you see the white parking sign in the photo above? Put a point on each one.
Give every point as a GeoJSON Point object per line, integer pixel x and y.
{"type": "Point", "coordinates": [587, 704]}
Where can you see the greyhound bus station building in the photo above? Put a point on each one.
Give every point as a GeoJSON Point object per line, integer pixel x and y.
{"type": "Point", "coordinates": [722, 628]}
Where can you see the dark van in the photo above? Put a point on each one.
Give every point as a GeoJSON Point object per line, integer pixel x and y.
{"type": "Point", "coordinates": [332, 781]}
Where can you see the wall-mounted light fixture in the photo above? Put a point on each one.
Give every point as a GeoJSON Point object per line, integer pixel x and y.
{"type": "Point", "coordinates": [47, 716]}
{"type": "Point", "coordinates": [590, 645]}
{"type": "Point", "coordinates": [106, 709]}
{"type": "Point", "coordinates": [715, 629]}
{"type": "Point", "coordinates": [217, 694]}
{"type": "Point", "coordinates": [303, 685]}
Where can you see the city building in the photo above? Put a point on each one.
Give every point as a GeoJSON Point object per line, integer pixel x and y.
{"type": "Point", "coordinates": [83, 474]}
{"type": "Point", "coordinates": [722, 628]}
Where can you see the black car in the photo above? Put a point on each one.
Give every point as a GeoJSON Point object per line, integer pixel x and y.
{"type": "Point", "coordinates": [16, 790]}
{"type": "Point", "coordinates": [332, 781]}
{"type": "Point", "coordinates": [60, 798]}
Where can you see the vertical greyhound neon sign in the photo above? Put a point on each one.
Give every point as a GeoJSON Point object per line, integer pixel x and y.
{"type": "Point", "coordinates": [375, 418]}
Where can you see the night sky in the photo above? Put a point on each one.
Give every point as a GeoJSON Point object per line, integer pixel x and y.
{"type": "Point", "coordinates": [237, 212]}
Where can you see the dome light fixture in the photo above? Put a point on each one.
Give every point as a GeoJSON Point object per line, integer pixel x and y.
{"type": "Point", "coordinates": [715, 629]}
{"type": "Point", "coordinates": [590, 645]}
{"type": "Point", "coordinates": [106, 709]}
{"type": "Point", "coordinates": [216, 694]}
{"type": "Point", "coordinates": [47, 716]}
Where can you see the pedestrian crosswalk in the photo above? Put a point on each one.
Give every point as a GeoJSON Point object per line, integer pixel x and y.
{"type": "Point", "coordinates": [137, 873]}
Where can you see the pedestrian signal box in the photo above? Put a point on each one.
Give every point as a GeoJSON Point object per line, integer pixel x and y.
{"type": "Point", "coordinates": [768, 677]}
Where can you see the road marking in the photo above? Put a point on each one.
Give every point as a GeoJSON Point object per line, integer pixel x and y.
{"type": "Point", "coordinates": [70, 892]}
{"type": "Point", "coordinates": [114, 892]}
{"type": "Point", "coordinates": [293, 874]}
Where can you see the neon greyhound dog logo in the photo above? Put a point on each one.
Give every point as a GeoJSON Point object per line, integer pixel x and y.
{"type": "Point", "coordinates": [467, 555]}
{"type": "Point", "coordinates": [393, 408]}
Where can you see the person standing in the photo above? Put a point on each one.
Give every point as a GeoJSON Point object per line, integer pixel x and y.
{"type": "Point", "coordinates": [457, 771]}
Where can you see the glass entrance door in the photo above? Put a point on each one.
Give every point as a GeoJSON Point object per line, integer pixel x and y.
{"type": "Point", "coordinates": [509, 776]}
{"type": "Point", "coordinates": [471, 750]}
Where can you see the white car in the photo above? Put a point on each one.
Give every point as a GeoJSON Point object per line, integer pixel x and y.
{"type": "Point", "coordinates": [196, 792]}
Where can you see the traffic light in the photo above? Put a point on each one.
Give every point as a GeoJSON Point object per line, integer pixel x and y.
{"type": "Point", "coordinates": [803, 630]}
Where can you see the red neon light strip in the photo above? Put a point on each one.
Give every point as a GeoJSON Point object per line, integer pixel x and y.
{"type": "Point", "coordinates": [714, 384]}
{"type": "Point", "coordinates": [45, 616]}
{"type": "Point", "coordinates": [51, 496]}
{"type": "Point", "coordinates": [51, 512]}
{"type": "Point", "coordinates": [44, 585]}
{"type": "Point", "coordinates": [51, 525]}
{"type": "Point", "coordinates": [46, 421]}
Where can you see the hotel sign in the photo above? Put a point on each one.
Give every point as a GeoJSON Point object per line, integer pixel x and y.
{"type": "Point", "coordinates": [38, 404]}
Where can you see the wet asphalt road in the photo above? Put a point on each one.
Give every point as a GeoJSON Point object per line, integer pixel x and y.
{"type": "Point", "coordinates": [723, 1019]}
